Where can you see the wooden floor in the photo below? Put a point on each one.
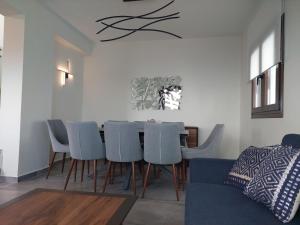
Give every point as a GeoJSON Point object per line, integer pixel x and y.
{"type": "Point", "coordinates": [50, 207]}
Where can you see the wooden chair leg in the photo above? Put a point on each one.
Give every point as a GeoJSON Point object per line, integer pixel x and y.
{"type": "Point", "coordinates": [75, 172]}
{"type": "Point", "coordinates": [88, 167]}
{"type": "Point", "coordinates": [175, 181]}
{"type": "Point", "coordinates": [133, 178]}
{"type": "Point", "coordinates": [51, 164]}
{"type": "Point", "coordinates": [82, 170]}
{"type": "Point", "coordinates": [95, 175]}
{"type": "Point", "coordinates": [63, 163]}
{"type": "Point", "coordinates": [107, 176]}
{"type": "Point", "coordinates": [146, 179]}
{"type": "Point", "coordinates": [69, 174]}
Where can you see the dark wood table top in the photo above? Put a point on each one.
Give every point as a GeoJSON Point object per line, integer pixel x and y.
{"type": "Point", "coordinates": [53, 207]}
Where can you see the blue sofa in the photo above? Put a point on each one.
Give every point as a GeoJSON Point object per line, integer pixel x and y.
{"type": "Point", "coordinates": [210, 202]}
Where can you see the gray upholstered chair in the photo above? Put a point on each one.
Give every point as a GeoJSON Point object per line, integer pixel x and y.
{"type": "Point", "coordinates": [181, 127]}
{"type": "Point", "coordinates": [85, 145]}
{"type": "Point", "coordinates": [59, 141]}
{"type": "Point", "coordinates": [140, 124]}
{"type": "Point", "coordinates": [209, 148]}
{"type": "Point", "coordinates": [122, 146]}
{"type": "Point", "coordinates": [162, 147]}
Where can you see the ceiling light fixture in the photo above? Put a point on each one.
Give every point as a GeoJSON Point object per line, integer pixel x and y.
{"type": "Point", "coordinates": [145, 17]}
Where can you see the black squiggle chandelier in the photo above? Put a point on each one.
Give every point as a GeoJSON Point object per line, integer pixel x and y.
{"type": "Point", "coordinates": [155, 19]}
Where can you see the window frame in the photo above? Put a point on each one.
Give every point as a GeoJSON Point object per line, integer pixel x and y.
{"type": "Point", "coordinates": [274, 110]}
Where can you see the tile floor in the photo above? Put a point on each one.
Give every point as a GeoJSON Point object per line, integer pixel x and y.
{"type": "Point", "coordinates": [159, 206]}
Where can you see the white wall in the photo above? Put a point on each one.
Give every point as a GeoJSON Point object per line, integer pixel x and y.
{"type": "Point", "coordinates": [1, 46]}
{"type": "Point", "coordinates": [270, 131]}
{"type": "Point", "coordinates": [11, 94]}
{"type": "Point", "coordinates": [41, 28]}
{"type": "Point", "coordinates": [210, 69]}
{"type": "Point", "coordinates": [67, 100]}
{"type": "Point", "coordinates": [39, 66]}
{"type": "Point", "coordinates": [1, 30]}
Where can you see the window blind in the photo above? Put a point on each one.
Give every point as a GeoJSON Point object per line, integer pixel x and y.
{"type": "Point", "coordinates": [264, 35]}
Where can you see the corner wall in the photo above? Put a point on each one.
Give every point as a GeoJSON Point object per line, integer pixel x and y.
{"type": "Point", "coordinates": [1, 30]}
{"type": "Point", "coordinates": [1, 48]}
{"type": "Point", "coordinates": [39, 67]}
{"type": "Point", "coordinates": [210, 69]}
{"type": "Point", "coordinates": [11, 94]}
{"type": "Point", "coordinates": [262, 132]}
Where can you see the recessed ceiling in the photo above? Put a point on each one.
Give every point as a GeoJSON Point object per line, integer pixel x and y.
{"type": "Point", "coordinates": [199, 18]}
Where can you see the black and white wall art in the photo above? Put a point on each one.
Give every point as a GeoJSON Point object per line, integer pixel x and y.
{"type": "Point", "coordinates": [156, 93]}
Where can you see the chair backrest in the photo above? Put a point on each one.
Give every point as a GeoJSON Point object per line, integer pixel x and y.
{"type": "Point", "coordinates": [162, 144]}
{"type": "Point", "coordinates": [122, 142]}
{"type": "Point", "coordinates": [215, 136]}
{"type": "Point", "coordinates": [140, 124]}
{"type": "Point", "coordinates": [85, 141]}
{"type": "Point", "coordinates": [292, 140]}
{"type": "Point", "coordinates": [58, 131]}
{"type": "Point", "coordinates": [209, 149]}
{"type": "Point", "coordinates": [181, 128]}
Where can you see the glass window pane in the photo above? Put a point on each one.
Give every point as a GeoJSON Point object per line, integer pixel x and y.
{"type": "Point", "coordinates": [272, 86]}
{"type": "Point", "coordinates": [254, 64]}
{"type": "Point", "coordinates": [257, 93]}
{"type": "Point", "coordinates": [268, 52]}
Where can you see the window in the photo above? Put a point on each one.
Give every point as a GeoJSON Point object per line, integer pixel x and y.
{"type": "Point", "coordinates": [267, 93]}
{"type": "Point", "coordinates": [267, 73]}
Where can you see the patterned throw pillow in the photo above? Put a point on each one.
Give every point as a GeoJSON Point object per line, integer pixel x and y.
{"type": "Point", "coordinates": [277, 183]}
{"type": "Point", "coordinates": [246, 166]}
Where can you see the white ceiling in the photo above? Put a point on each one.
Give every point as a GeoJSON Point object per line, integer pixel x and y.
{"type": "Point", "coordinates": [199, 18]}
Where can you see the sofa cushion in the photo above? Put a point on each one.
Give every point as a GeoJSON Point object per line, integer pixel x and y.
{"type": "Point", "coordinates": [213, 204]}
{"type": "Point", "coordinates": [277, 183]}
{"type": "Point", "coordinates": [246, 166]}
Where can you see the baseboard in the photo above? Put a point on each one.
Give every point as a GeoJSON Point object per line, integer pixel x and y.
{"type": "Point", "coordinates": [8, 180]}
{"type": "Point", "coordinates": [33, 174]}
{"type": "Point", "coordinates": [14, 180]}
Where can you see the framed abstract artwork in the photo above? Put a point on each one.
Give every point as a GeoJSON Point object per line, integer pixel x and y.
{"type": "Point", "coordinates": [156, 93]}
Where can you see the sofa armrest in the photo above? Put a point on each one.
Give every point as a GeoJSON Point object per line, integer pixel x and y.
{"type": "Point", "coordinates": [213, 171]}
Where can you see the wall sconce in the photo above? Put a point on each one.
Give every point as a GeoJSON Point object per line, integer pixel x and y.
{"type": "Point", "coordinates": [65, 74]}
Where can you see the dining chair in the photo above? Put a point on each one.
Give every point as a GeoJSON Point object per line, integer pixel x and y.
{"type": "Point", "coordinates": [85, 145]}
{"type": "Point", "coordinates": [122, 146]}
{"type": "Point", "coordinates": [162, 147]}
{"type": "Point", "coordinates": [181, 127]}
{"type": "Point", "coordinates": [209, 149]}
{"type": "Point", "coordinates": [140, 124]}
{"type": "Point", "coordinates": [59, 141]}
